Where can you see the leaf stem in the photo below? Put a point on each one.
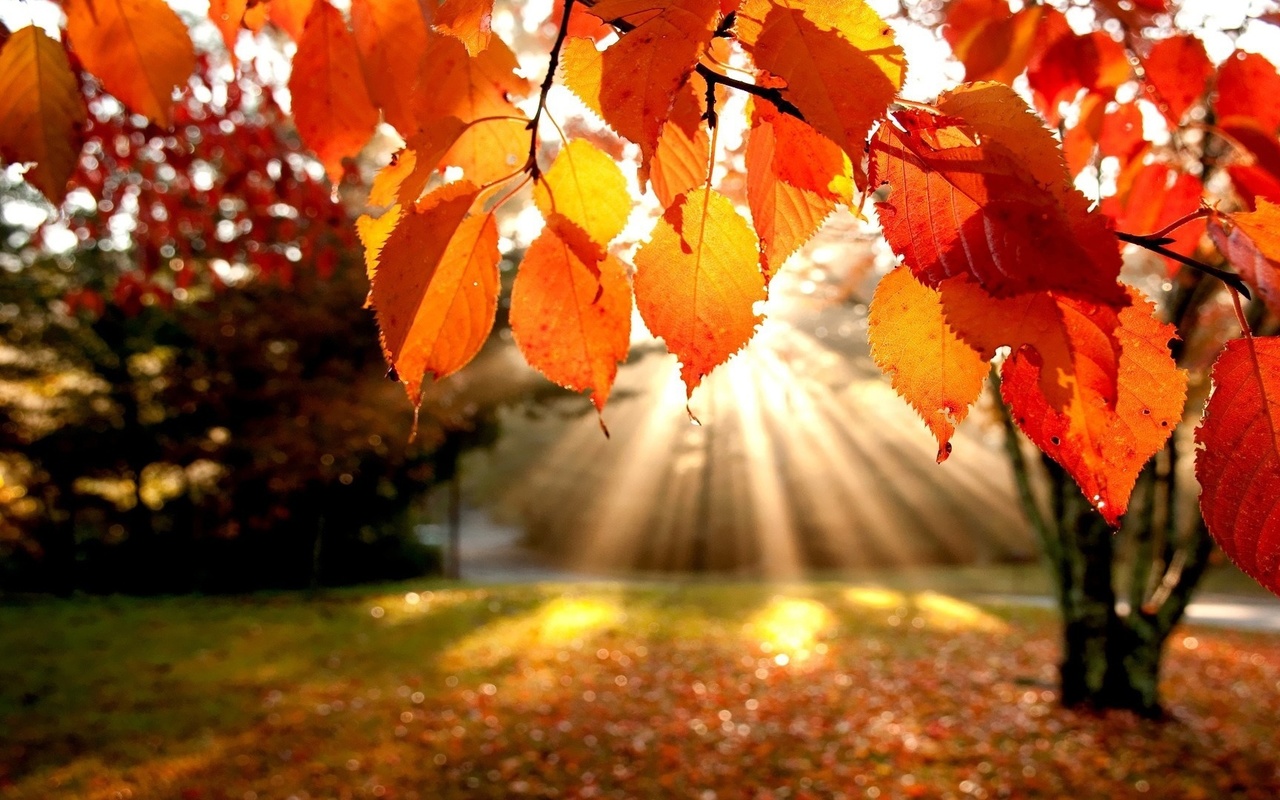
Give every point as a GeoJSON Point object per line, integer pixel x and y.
{"type": "Point", "coordinates": [1156, 245]}
{"type": "Point", "coordinates": [1179, 222]}
{"type": "Point", "coordinates": [553, 64]}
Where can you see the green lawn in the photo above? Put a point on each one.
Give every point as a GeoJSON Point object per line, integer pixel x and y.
{"type": "Point", "coordinates": [674, 690]}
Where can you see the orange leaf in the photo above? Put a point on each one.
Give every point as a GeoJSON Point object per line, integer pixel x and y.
{"type": "Point", "coordinates": [331, 107]}
{"type": "Point", "coordinates": [821, 50]}
{"type": "Point", "coordinates": [697, 282]}
{"type": "Point", "coordinates": [473, 89]}
{"type": "Point", "coordinates": [385, 190]}
{"type": "Point", "coordinates": [571, 312]}
{"type": "Point", "coordinates": [684, 149]}
{"type": "Point", "coordinates": [585, 187]}
{"type": "Point", "coordinates": [1176, 71]}
{"type": "Point", "coordinates": [406, 177]}
{"type": "Point", "coordinates": [999, 49]}
{"type": "Point", "coordinates": [1032, 320]}
{"type": "Point", "coordinates": [436, 286]}
{"type": "Point", "coordinates": [795, 178]}
{"type": "Point", "coordinates": [290, 16]}
{"type": "Point", "coordinates": [642, 72]}
{"type": "Point", "coordinates": [1122, 410]}
{"type": "Point", "coordinates": [226, 15]}
{"type": "Point", "coordinates": [391, 36]}
{"type": "Point", "coordinates": [982, 190]}
{"type": "Point", "coordinates": [41, 111]}
{"type": "Point", "coordinates": [1238, 465]}
{"type": "Point", "coordinates": [468, 21]}
{"type": "Point", "coordinates": [139, 49]}
{"type": "Point", "coordinates": [929, 366]}
{"type": "Point", "coordinates": [1251, 242]}
{"type": "Point", "coordinates": [1244, 78]}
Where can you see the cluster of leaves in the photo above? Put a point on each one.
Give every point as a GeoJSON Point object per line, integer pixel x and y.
{"type": "Point", "coordinates": [660, 692]}
{"type": "Point", "coordinates": [998, 247]}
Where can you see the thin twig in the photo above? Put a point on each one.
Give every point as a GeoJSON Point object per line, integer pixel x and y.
{"type": "Point", "coordinates": [554, 63]}
{"type": "Point", "coordinates": [770, 93]}
{"type": "Point", "coordinates": [1157, 246]}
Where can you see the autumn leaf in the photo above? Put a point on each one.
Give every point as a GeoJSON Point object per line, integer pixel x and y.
{"type": "Point", "coordinates": [1175, 73]}
{"type": "Point", "coordinates": [587, 188]}
{"type": "Point", "coordinates": [1122, 410]}
{"type": "Point", "coordinates": [436, 286]}
{"type": "Point", "coordinates": [373, 233]}
{"type": "Point", "coordinates": [697, 282]}
{"type": "Point", "coordinates": [139, 49]}
{"type": "Point", "coordinates": [820, 50]}
{"type": "Point", "coordinates": [386, 189]}
{"type": "Point", "coordinates": [1251, 242]}
{"type": "Point", "coordinates": [1000, 47]}
{"type": "Point", "coordinates": [795, 178]}
{"type": "Point", "coordinates": [679, 163]}
{"type": "Point", "coordinates": [290, 16]}
{"type": "Point", "coordinates": [981, 189]}
{"type": "Point", "coordinates": [391, 36]}
{"type": "Point", "coordinates": [331, 107]}
{"type": "Point", "coordinates": [1238, 465]}
{"type": "Point", "coordinates": [1031, 320]}
{"type": "Point", "coordinates": [227, 16]}
{"type": "Point", "coordinates": [1094, 62]}
{"type": "Point", "coordinates": [930, 367]}
{"type": "Point", "coordinates": [41, 111]}
{"type": "Point", "coordinates": [1242, 80]}
{"type": "Point", "coordinates": [474, 89]}
{"type": "Point", "coordinates": [571, 310]}
{"type": "Point", "coordinates": [642, 72]}
{"type": "Point", "coordinates": [468, 21]}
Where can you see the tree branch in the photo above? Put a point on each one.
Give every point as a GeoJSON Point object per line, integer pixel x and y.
{"type": "Point", "coordinates": [554, 63]}
{"type": "Point", "coordinates": [773, 95]}
{"type": "Point", "coordinates": [1157, 246]}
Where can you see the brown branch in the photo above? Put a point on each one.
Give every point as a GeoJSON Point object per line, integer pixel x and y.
{"type": "Point", "coordinates": [1157, 246]}
{"type": "Point", "coordinates": [772, 94]}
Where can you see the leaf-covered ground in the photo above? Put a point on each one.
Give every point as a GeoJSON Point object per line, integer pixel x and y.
{"type": "Point", "coordinates": [696, 690]}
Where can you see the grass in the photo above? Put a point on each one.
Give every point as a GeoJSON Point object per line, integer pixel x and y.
{"type": "Point", "coordinates": [672, 690]}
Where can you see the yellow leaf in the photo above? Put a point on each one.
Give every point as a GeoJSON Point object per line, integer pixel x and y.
{"type": "Point", "coordinates": [697, 282]}
{"type": "Point", "coordinates": [586, 187]}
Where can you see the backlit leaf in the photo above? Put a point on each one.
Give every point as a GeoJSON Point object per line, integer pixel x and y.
{"type": "Point", "coordinates": [1000, 47]}
{"type": "Point", "coordinates": [41, 111]}
{"type": "Point", "coordinates": [373, 233]}
{"type": "Point", "coordinates": [982, 190]}
{"type": "Point", "coordinates": [436, 286]}
{"type": "Point", "coordinates": [1094, 62]}
{"type": "Point", "coordinates": [643, 70]}
{"type": "Point", "coordinates": [473, 89]}
{"type": "Point", "coordinates": [930, 367]}
{"type": "Point", "coordinates": [468, 21]}
{"type": "Point", "coordinates": [586, 187]}
{"type": "Point", "coordinates": [684, 148]}
{"type": "Point", "coordinates": [1243, 79]}
{"type": "Point", "coordinates": [1176, 71]}
{"type": "Point", "coordinates": [795, 178]}
{"type": "Point", "coordinates": [697, 282]}
{"type": "Point", "coordinates": [837, 59]}
{"type": "Point", "coordinates": [391, 36]}
{"type": "Point", "coordinates": [571, 312]}
{"type": "Point", "coordinates": [1238, 465]}
{"type": "Point", "coordinates": [227, 16]}
{"type": "Point", "coordinates": [1122, 410]}
{"type": "Point", "coordinates": [1159, 195]}
{"type": "Point", "coordinates": [1251, 242]}
{"type": "Point", "coordinates": [139, 49]}
{"type": "Point", "coordinates": [331, 106]}
{"type": "Point", "coordinates": [290, 16]}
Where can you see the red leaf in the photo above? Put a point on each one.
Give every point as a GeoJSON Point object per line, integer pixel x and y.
{"type": "Point", "coordinates": [981, 190]}
{"type": "Point", "coordinates": [1238, 465]}
{"type": "Point", "coordinates": [1243, 79]}
{"type": "Point", "coordinates": [1176, 71]}
{"type": "Point", "coordinates": [1251, 242]}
